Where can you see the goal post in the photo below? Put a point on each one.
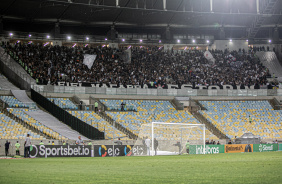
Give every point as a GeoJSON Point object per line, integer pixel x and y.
{"type": "Point", "coordinates": [161, 138]}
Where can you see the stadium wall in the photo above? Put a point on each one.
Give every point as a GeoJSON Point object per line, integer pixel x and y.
{"type": "Point", "coordinates": [227, 44]}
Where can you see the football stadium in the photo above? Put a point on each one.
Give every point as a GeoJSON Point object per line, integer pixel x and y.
{"type": "Point", "coordinates": [140, 91]}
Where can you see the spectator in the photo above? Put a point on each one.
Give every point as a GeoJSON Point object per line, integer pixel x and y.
{"type": "Point", "coordinates": [79, 141]}
{"type": "Point", "coordinates": [118, 142]}
{"type": "Point", "coordinates": [96, 106]}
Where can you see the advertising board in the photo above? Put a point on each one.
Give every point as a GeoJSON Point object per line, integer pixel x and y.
{"type": "Point", "coordinates": [209, 149]}
{"type": "Point", "coordinates": [60, 151]}
{"type": "Point", "coordinates": [238, 148]}
{"type": "Point", "coordinates": [265, 147]}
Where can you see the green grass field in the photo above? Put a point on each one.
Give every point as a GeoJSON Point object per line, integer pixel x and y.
{"type": "Point", "coordinates": [221, 168]}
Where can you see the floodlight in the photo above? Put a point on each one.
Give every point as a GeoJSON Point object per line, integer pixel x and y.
{"type": "Point", "coordinates": [48, 36]}
{"type": "Point", "coordinates": [269, 41]}
{"type": "Point", "coordinates": [106, 39]}
{"type": "Point", "coordinates": [178, 41]}
{"type": "Point", "coordinates": [208, 41]}
{"type": "Point", "coordinates": [29, 35]}
{"type": "Point", "coordinates": [193, 41]}
{"type": "Point", "coordinates": [160, 41]}
{"type": "Point", "coordinates": [69, 37]}
{"type": "Point", "coordinates": [141, 40]}
{"type": "Point", "coordinates": [123, 40]}
{"type": "Point", "coordinates": [11, 34]}
{"type": "Point", "coordinates": [230, 40]}
{"type": "Point", "coordinates": [87, 38]}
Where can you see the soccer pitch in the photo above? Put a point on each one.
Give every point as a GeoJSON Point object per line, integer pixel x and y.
{"type": "Point", "coordinates": [218, 168]}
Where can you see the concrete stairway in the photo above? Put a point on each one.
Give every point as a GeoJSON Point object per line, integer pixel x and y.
{"type": "Point", "coordinates": [270, 60]}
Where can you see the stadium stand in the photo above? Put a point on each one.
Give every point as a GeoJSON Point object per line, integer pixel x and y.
{"type": "Point", "coordinates": [21, 113]}
{"type": "Point", "coordinates": [232, 118]}
{"type": "Point", "coordinates": [64, 103]}
{"type": "Point", "coordinates": [10, 129]}
{"type": "Point", "coordinates": [13, 102]}
{"type": "Point", "coordinates": [150, 111]}
{"type": "Point", "coordinates": [233, 68]}
{"type": "Point", "coordinates": [96, 121]}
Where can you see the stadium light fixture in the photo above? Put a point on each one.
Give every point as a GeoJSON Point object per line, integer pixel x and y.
{"type": "Point", "coordinates": [194, 41]}
{"type": "Point", "coordinates": [230, 40]}
{"type": "Point", "coordinates": [141, 40]}
{"type": "Point", "coordinates": [48, 36]}
{"type": "Point", "coordinates": [160, 41]}
{"type": "Point", "coordinates": [178, 41]}
{"type": "Point", "coordinates": [123, 40]}
{"type": "Point", "coordinates": [29, 35]}
{"type": "Point", "coordinates": [69, 37]}
{"type": "Point", "coordinates": [106, 39]}
{"type": "Point", "coordinates": [247, 40]}
{"type": "Point", "coordinates": [269, 41]}
{"type": "Point", "coordinates": [11, 34]}
{"type": "Point", "coordinates": [87, 38]}
{"type": "Point", "coordinates": [208, 41]}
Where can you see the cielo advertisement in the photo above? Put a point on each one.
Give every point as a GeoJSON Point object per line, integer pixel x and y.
{"type": "Point", "coordinates": [60, 151]}
{"type": "Point", "coordinates": [238, 148]}
{"type": "Point", "coordinates": [265, 147]}
{"type": "Point", "coordinates": [209, 149]}
{"type": "Point", "coordinates": [110, 150]}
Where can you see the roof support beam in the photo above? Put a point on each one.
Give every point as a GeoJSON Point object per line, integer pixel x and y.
{"type": "Point", "coordinates": [258, 21]}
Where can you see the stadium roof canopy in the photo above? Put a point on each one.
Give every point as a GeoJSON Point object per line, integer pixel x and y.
{"type": "Point", "coordinates": [149, 15]}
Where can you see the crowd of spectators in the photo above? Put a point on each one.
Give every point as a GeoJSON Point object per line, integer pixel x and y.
{"type": "Point", "coordinates": [149, 65]}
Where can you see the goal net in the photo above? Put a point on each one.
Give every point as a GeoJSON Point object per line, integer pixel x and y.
{"type": "Point", "coordinates": [160, 138]}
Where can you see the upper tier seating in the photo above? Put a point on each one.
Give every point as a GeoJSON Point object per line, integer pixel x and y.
{"type": "Point", "coordinates": [96, 121]}
{"type": "Point", "coordinates": [10, 129]}
{"type": "Point", "coordinates": [191, 66]}
{"type": "Point", "coordinates": [151, 111]}
{"type": "Point", "coordinates": [64, 103]}
{"type": "Point", "coordinates": [20, 113]}
{"type": "Point", "coordinates": [232, 118]}
{"type": "Point", "coordinates": [13, 102]}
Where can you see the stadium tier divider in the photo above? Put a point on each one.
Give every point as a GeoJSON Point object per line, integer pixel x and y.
{"type": "Point", "coordinates": [75, 123]}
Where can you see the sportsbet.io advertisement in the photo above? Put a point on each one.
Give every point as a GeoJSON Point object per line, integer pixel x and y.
{"type": "Point", "coordinates": [60, 151]}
